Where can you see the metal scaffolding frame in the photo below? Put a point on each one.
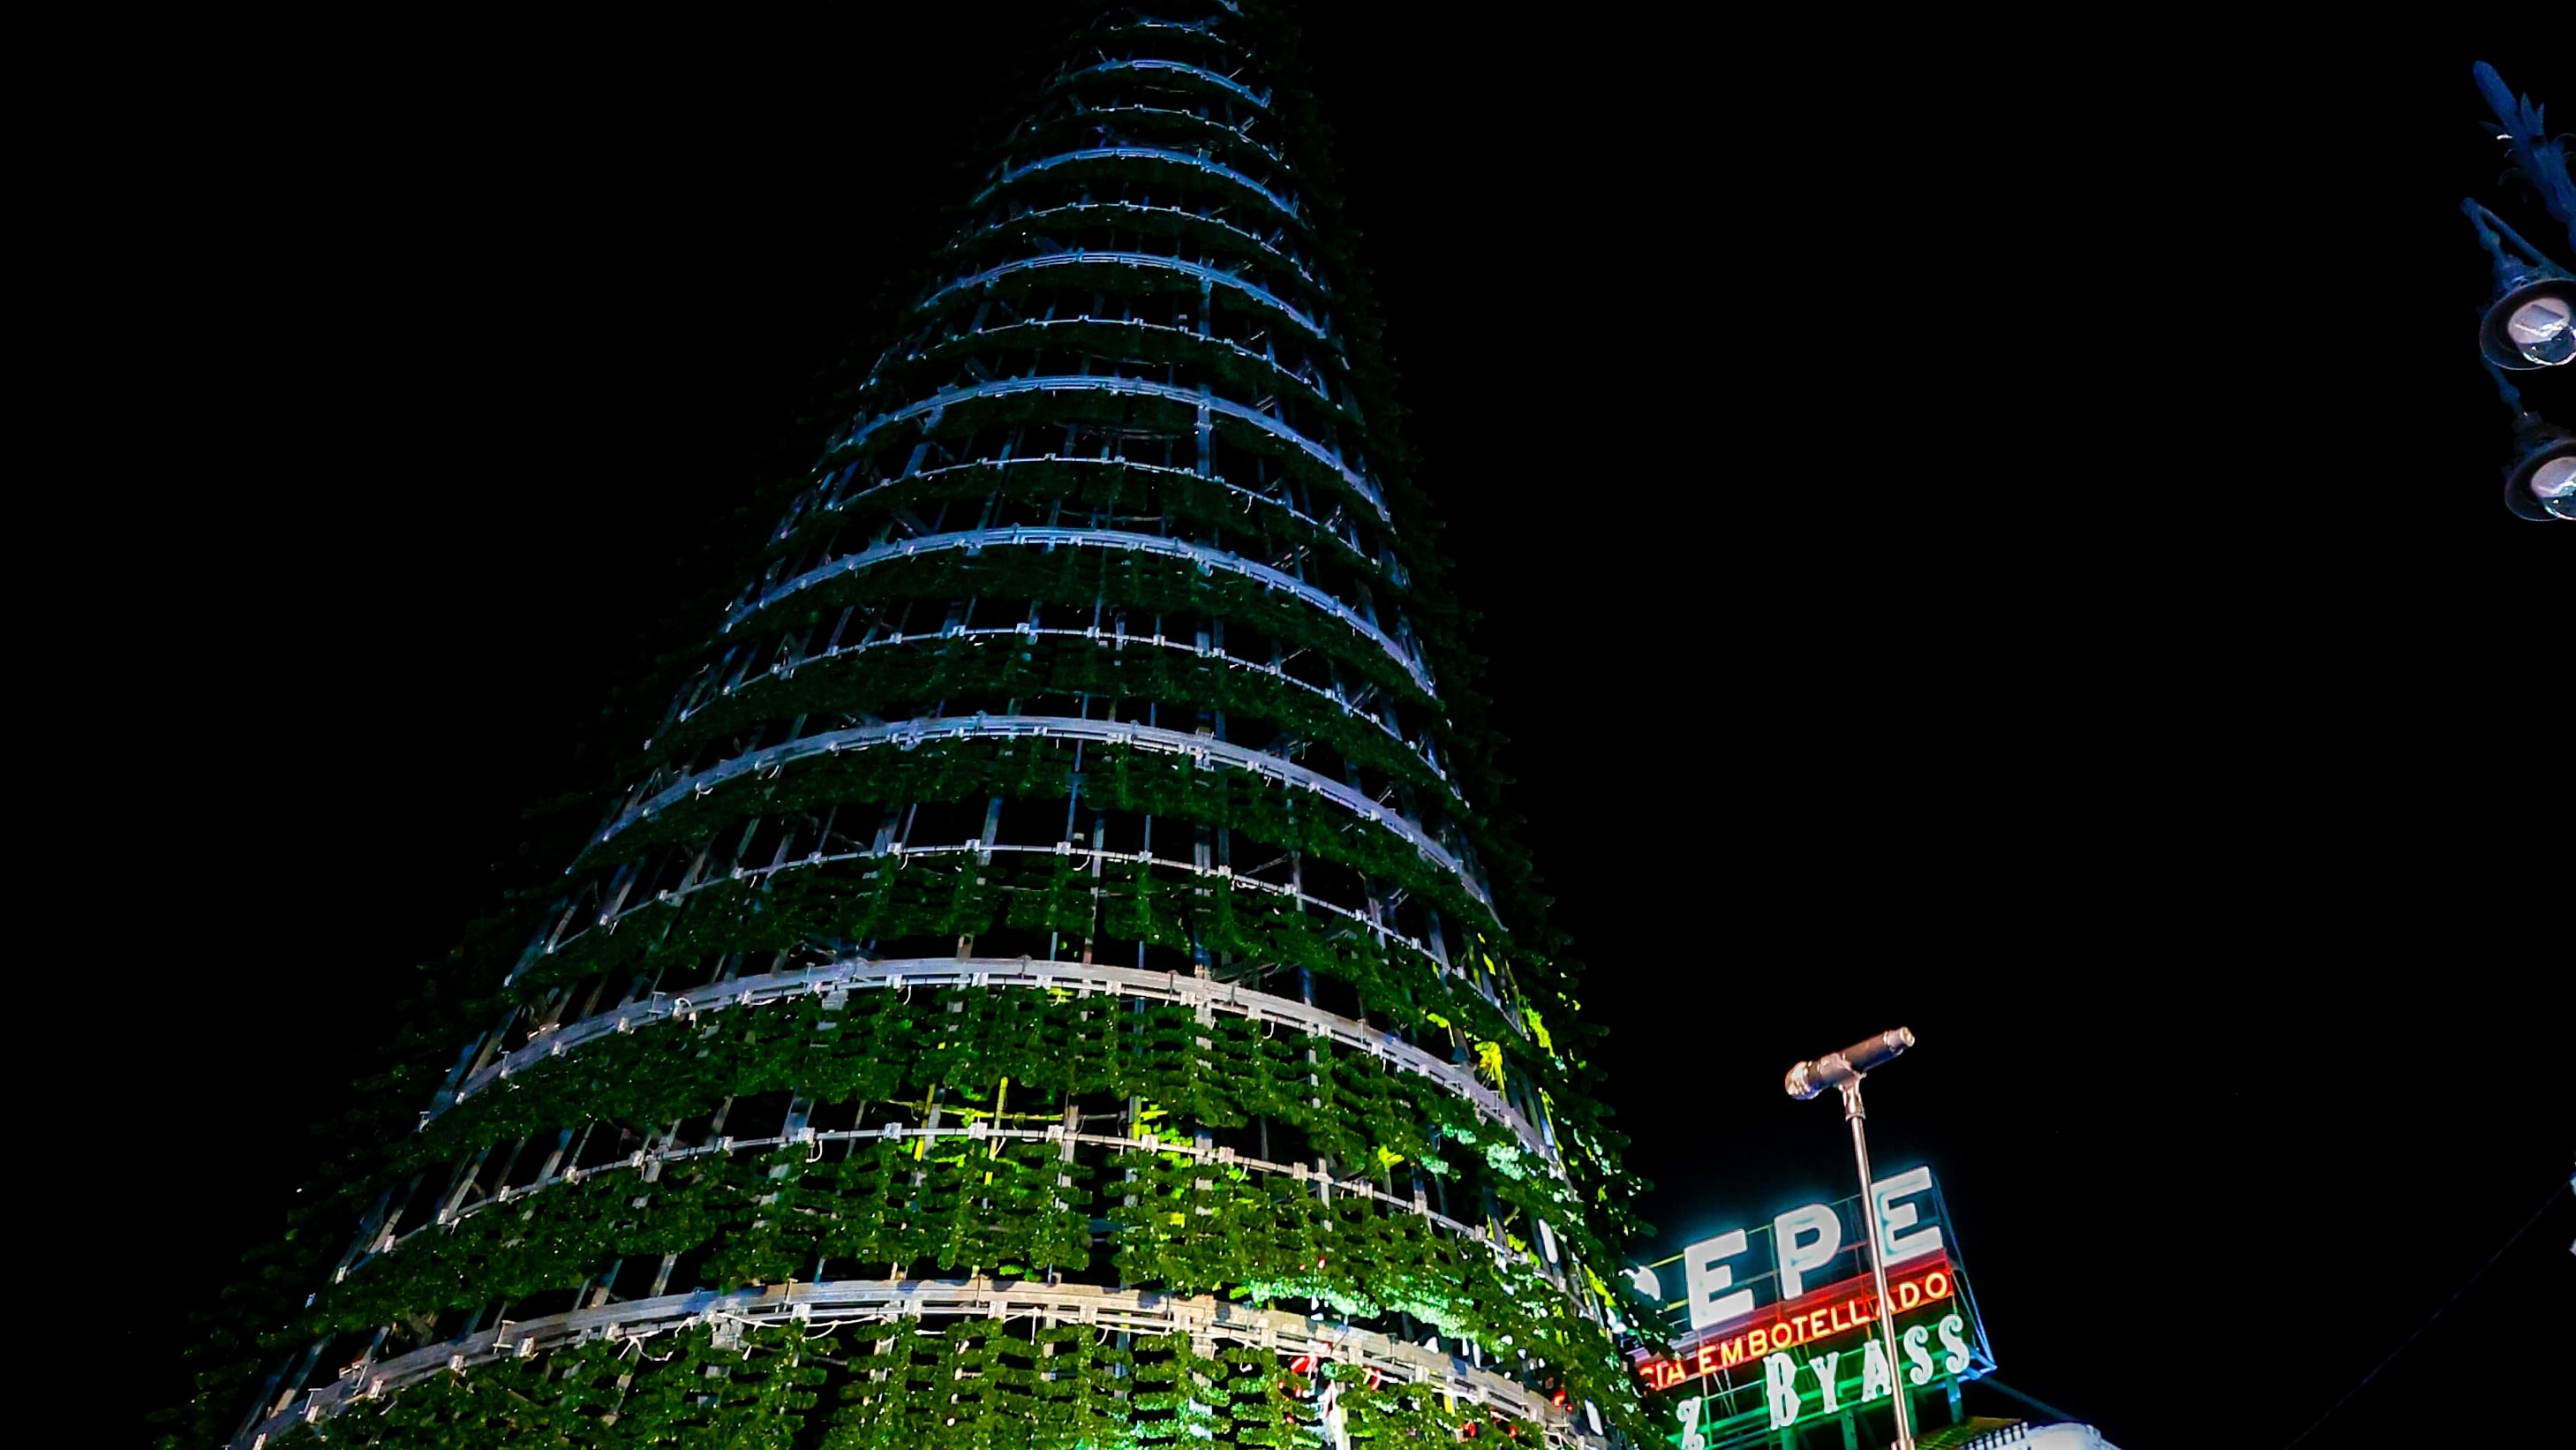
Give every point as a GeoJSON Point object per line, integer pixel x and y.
{"type": "Point", "coordinates": [820, 1308]}
{"type": "Point", "coordinates": [985, 974]}
{"type": "Point", "coordinates": [1163, 188]}
{"type": "Point", "coordinates": [1205, 560]}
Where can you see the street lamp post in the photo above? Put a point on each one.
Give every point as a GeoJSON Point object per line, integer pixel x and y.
{"type": "Point", "coordinates": [2530, 321]}
{"type": "Point", "coordinates": [1844, 1070]}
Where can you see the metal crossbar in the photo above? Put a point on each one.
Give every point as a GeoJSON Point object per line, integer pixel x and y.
{"type": "Point", "coordinates": [1035, 536]}
{"type": "Point", "coordinates": [1076, 207]}
{"type": "Point", "coordinates": [801, 516]}
{"type": "Point", "coordinates": [1080, 257]}
{"type": "Point", "coordinates": [1191, 159]}
{"type": "Point", "coordinates": [908, 734]}
{"type": "Point", "coordinates": [979, 1132]}
{"type": "Point", "coordinates": [836, 1303]}
{"type": "Point", "coordinates": [1222, 82]}
{"type": "Point", "coordinates": [1231, 998]}
{"type": "Point", "coordinates": [1105, 383]}
{"type": "Point", "coordinates": [1385, 935]}
{"type": "Point", "coordinates": [1001, 330]}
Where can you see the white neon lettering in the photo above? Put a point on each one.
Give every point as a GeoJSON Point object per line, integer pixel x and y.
{"type": "Point", "coordinates": [1918, 1358]}
{"type": "Point", "coordinates": [1797, 1258]}
{"type": "Point", "coordinates": [1875, 1380]}
{"type": "Point", "coordinates": [1957, 1357]}
{"type": "Point", "coordinates": [1692, 1439]}
{"type": "Point", "coordinates": [1823, 1365]}
{"type": "Point", "coordinates": [1780, 1389]}
{"type": "Point", "coordinates": [1708, 1280]}
{"type": "Point", "coordinates": [1893, 1218]}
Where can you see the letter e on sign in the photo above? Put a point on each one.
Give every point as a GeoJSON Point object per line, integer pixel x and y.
{"type": "Point", "coordinates": [1709, 1279]}
{"type": "Point", "coordinates": [1895, 1218]}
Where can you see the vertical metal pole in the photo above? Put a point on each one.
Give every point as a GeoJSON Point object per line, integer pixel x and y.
{"type": "Point", "coordinates": [1855, 1114]}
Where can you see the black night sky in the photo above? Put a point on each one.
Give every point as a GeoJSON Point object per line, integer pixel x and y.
{"type": "Point", "coordinates": [1948, 557]}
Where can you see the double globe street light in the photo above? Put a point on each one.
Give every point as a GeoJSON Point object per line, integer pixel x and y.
{"type": "Point", "coordinates": [2530, 323]}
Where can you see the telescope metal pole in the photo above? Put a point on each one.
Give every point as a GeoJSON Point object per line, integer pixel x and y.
{"type": "Point", "coordinates": [1854, 1114]}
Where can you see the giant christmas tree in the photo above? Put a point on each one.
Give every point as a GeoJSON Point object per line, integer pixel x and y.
{"type": "Point", "coordinates": [1048, 981]}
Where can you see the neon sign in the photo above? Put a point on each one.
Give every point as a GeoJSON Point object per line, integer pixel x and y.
{"type": "Point", "coordinates": [1778, 1322]}
{"type": "Point", "coordinates": [1720, 1282]}
{"type": "Point", "coordinates": [1843, 1309]}
{"type": "Point", "coordinates": [1827, 1382]}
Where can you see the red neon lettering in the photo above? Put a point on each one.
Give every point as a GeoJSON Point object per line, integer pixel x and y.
{"type": "Point", "coordinates": [1854, 1309]}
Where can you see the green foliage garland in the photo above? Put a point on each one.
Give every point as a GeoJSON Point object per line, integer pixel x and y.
{"type": "Point", "coordinates": [1147, 1211]}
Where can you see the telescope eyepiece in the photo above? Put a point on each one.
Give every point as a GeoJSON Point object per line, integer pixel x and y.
{"type": "Point", "coordinates": [1808, 1079]}
{"type": "Point", "coordinates": [1877, 1051]}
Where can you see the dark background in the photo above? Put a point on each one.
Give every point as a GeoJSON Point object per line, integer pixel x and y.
{"type": "Point", "coordinates": [1995, 532]}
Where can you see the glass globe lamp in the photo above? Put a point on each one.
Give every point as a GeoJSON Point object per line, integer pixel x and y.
{"type": "Point", "coordinates": [2554, 484]}
{"type": "Point", "coordinates": [2543, 329]}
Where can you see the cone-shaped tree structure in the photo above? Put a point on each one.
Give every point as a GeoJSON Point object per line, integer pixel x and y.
{"type": "Point", "coordinates": [1048, 982]}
